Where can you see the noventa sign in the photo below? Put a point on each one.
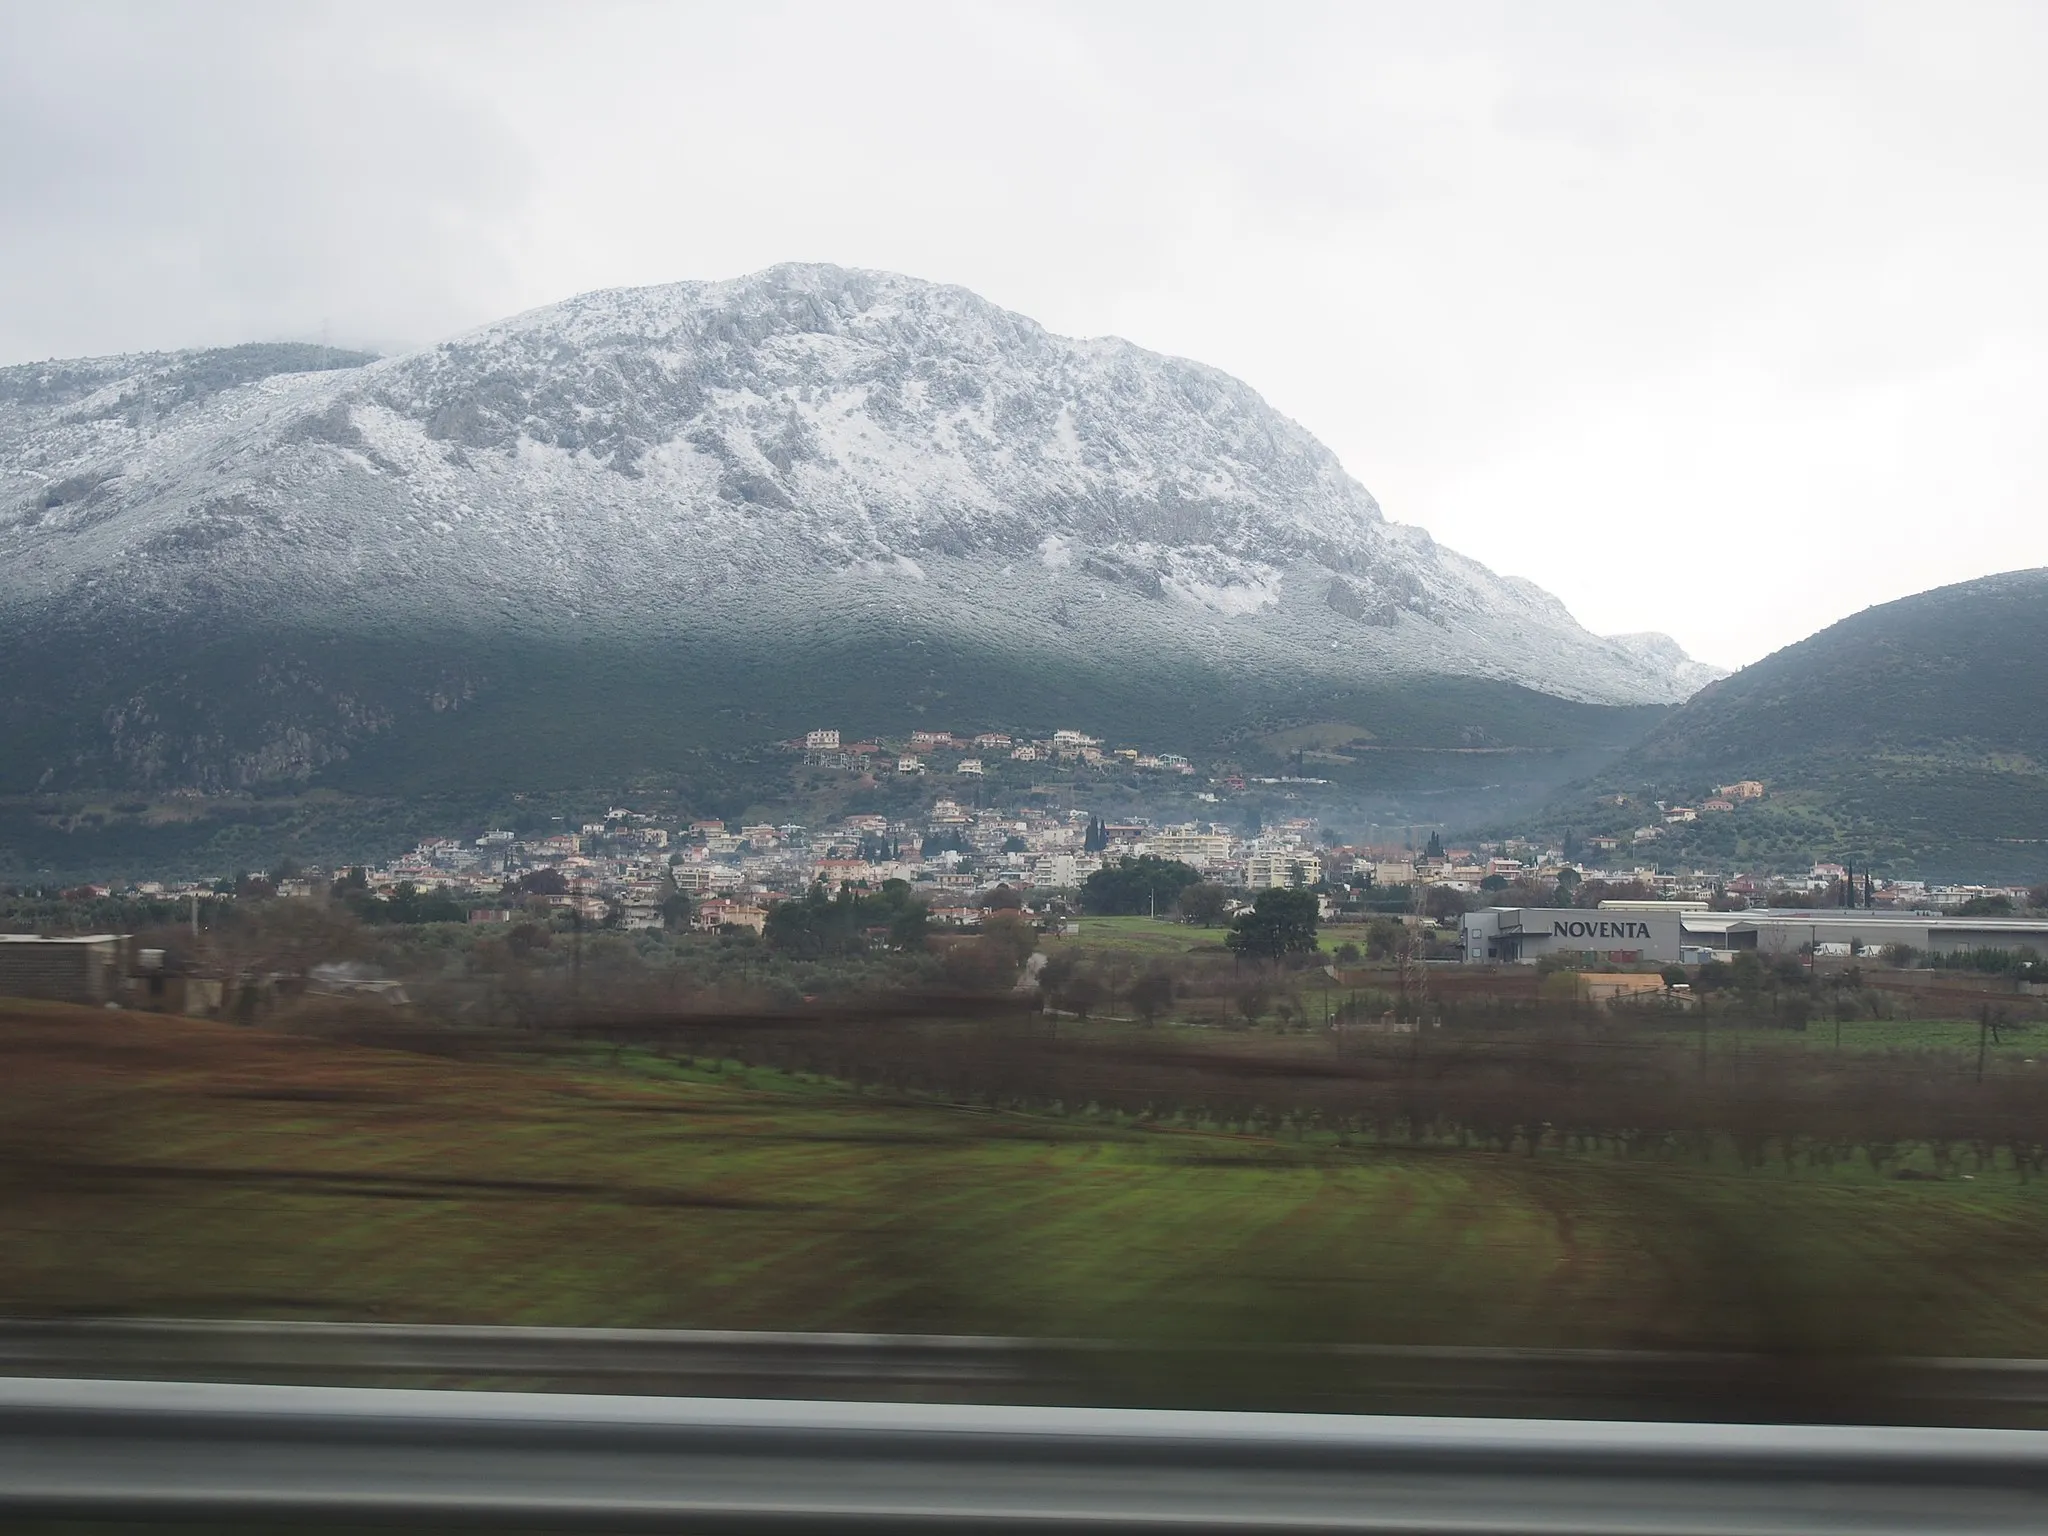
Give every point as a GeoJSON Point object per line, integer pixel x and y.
{"type": "Point", "coordinates": [1604, 928]}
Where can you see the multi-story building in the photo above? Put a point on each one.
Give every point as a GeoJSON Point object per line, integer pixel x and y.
{"type": "Point", "coordinates": [1283, 867]}
{"type": "Point", "coordinates": [1202, 850]}
{"type": "Point", "coordinates": [702, 879]}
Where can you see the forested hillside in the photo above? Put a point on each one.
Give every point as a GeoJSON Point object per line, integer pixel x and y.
{"type": "Point", "coordinates": [1913, 735]}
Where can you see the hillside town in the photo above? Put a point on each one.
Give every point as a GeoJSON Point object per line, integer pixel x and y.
{"type": "Point", "coordinates": [632, 870]}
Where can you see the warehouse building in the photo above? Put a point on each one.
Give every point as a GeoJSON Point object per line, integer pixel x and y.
{"type": "Point", "coordinates": [67, 970]}
{"type": "Point", "coordinates": [1639, 932]}
{"type": "Point", "coordinates": [1678, 932]}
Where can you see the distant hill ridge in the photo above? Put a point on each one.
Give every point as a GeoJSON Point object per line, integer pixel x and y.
{"type": "Point", "coordinates": [1913, 734]}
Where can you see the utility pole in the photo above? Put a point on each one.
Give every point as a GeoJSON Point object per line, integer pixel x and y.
{"type": "Point", "coordinates": [576, 955]}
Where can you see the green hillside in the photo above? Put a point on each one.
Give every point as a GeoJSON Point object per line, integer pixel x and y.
{"type": "Point", "coordinates": [1912, 736]}
{"type": "Point", "coordinates": [178, 753]}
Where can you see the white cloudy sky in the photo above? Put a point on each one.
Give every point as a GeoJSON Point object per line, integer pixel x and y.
{"type": "Point", "coordinates": [1724, 318]}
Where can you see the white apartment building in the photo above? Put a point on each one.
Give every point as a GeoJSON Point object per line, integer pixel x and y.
{"type": "Point", "coordinates": [1054, 870]}
{"type": "Point", "coordinates": [703, 879]}
{"type": "Point", "coordinates": [1287, 867]}
{"type": "Point", "coordinates": [1203, 850]}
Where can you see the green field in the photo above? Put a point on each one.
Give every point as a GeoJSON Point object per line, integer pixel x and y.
{"type": "Point", "coordinates": [1143, 937]}
{"type": "Point", "coordinates": [160, 1166]}
{"type": "Point", "coordinates": [1150, 937]}
{"type": "Point", "coordinates": [2022, 1042]}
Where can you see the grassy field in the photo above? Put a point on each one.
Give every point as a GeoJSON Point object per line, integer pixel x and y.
{"type": "Point", "coordinates": [161, 1166]}
{"type": "Point", "coordinates": [1142, 937]}
{"type": "Point", "coordinates": [2021, 1042]}
{"type": "Point", "coordinates": [1150, 937]}
{"type": "Point", "coordinates": [1139, 941]}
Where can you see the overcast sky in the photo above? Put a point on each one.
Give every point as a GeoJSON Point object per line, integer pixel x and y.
{"type": "Point", "coordinates": [1723, 319]}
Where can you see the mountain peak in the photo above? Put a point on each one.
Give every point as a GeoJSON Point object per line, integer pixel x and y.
{"type": "Point", "coordinates": [782, 466]}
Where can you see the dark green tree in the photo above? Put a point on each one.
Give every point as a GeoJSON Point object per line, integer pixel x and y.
{"type": "Point", "coordinates": [817, 925]}
{"type": "Point", "coordinates": [408, 904]}
{"type": "Point", "coordinates": [1152, 994]}
{"type": "Point", "coordinates": [1203, 903]}
{"type": "Point", "coordinates": [1382, 938]}
{"type": "Point", "coordinates": [1442, 904]}
{"type": "Point", "coordinates": [1132, 886]}
{"type": "Point", "coordinates": [547, 881]}
{"type": "Point", "coordinates": [1282, 922]}
{"type": "Point", "coordinates": [675, 911]}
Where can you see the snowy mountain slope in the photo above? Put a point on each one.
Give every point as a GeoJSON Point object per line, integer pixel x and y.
{"type": "Point", "coordinates": [780, 468]}
{"type": "Point", "coordinates": [1668, 657]}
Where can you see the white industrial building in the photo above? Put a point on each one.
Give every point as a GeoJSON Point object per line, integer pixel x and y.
{"type": "Point", "coordinates": [1680, 932]}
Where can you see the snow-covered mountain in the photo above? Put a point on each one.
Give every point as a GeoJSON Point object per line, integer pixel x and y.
{"type": "Point", "coordinates": [1668, 657]}
{"type": "Point", "coordinates": [780, 468]}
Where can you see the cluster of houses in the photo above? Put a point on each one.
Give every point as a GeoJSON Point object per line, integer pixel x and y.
{"type": "Point", "coordinates": [627, 868]}
{"type": "Point", "coordinates": [945, 752]}
{"type": "Point", "coordinates": [1490, 866]}
{"type": "Point", "coordinates": [1721, 802]}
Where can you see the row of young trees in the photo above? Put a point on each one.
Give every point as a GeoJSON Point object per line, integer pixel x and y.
{"type": "Point", "coordinates": [1567, 1088]}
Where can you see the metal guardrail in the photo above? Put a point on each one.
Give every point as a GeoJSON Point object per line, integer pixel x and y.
{"type": "Point", "coordinates": [123, 1450]}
